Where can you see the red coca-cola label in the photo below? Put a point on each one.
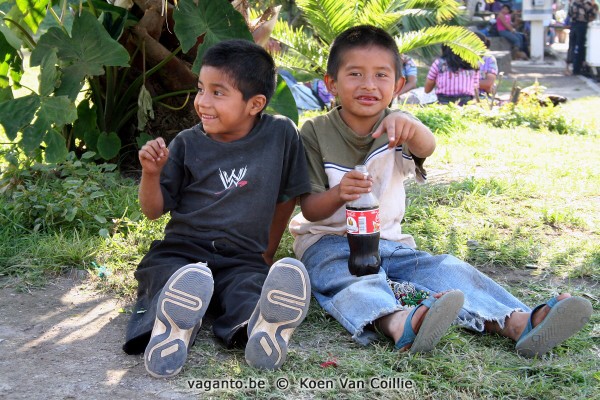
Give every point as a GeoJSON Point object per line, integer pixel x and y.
{"type": "Point", "coordinates": [362, 222]}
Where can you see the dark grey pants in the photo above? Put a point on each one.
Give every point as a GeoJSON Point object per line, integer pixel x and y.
{"type": "Point", "coordinates": [238, 277]}
{"type": "Point", "coordinates": [577, 48]}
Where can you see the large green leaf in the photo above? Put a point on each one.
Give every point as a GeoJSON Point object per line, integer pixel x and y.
{"type": "Point", "coordinates": [85, 127]}
{"type": "Point", "coordinates": [109, 145]}
{"type": "Point", "coordinates": [9, 61]}
{"type": "Point", "coordinates": [86, 53]}
{"type": "Point", "coordinates": [33, 135]}
{"type": "Point", "coordinates": [283, 101]}
{"type": "Point", "coordinates": [5, 94]}
{"type": "Point", "coordinates": [10, 36]}
{"type": "Point", "coordinates": [49, 77]}
{"type": "Point", "coordinates": [33, 11]}
{"type": "Point", "coordinates": [57, 111]}
{"type": "Point", "coordinates": [217, 20]}
{"type": "Point", "coordinates": [56, 147]}
{"type": "Point", "coordinates": [17, 114]}
{"type": "Point", "coordinates": [53, 113]}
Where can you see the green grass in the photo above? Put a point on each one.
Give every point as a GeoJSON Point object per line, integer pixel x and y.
{"type": "Point", "coordinates": [520, 204]}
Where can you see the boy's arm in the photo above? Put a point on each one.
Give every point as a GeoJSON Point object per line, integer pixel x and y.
{"type": "Point", "coordinates": [404, 129]}
{"type": "Point", "coordinates": [281, 217]}
{"type": "Point", "coordinates": [411, 83]}
{"type": "Point", "coordinates": [431, 76]}
{"type": "Point", "coordinates": [153, 156]}
{"type": "Point", "coordinates": [429, 85]}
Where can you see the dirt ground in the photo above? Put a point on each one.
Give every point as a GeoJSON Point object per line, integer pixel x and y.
{"type": "Point", "coordinates": [64, 342]}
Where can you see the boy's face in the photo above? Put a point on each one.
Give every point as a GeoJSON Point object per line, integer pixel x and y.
{"type": "Point", "coordinates": [365, 85]}
{"type": "Point", "coordinates": [225, 115]}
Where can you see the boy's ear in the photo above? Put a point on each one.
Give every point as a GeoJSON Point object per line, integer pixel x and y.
{"type": "Point", "coordinates": [330, 84]}
{"type": "Point", "coordinates": [399, 85]}
{"type": "Point", "coordinates": [257, 103]}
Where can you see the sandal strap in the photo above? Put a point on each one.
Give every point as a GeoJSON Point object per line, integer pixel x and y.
{"type": "Point", "coordinates": [551, 303]}
{"type": "Point", "coordinates": [409, 335]}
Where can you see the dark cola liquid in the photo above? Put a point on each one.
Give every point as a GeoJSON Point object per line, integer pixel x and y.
{"type": "Point", "coordinates": [364, 254]}
{"type": "Point", "coordinates": [364, 251]}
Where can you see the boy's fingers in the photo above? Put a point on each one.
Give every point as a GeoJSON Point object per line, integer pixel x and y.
{"type": "Point", "coordinates": [161, 142]}
{"type": "Point", "coordinates": [377, 132]}
{"type": "Point", "coordinates": [388, 127]}
{"type": "Point", "coordinates": [148, 152]}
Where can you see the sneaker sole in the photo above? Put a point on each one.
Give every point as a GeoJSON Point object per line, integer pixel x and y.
{"type": "Point", "coordinates": [181, 306]}
{"type": "Point", "coordinates": [437, 321]}
{"type": "Point", "coordinates": [283, 305]}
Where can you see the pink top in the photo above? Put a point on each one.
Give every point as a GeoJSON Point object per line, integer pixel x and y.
{"type": "Point", "coordinates": [460, 83]}
{"type": "Point", "coordinates": [499, 25]}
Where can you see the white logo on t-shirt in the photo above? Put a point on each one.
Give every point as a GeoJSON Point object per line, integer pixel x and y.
{"type": "Point", "coordinates": [234, 179]}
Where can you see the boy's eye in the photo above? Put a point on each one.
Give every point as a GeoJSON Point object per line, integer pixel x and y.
{"type": "Point", "coordinates": [355, 74]}
{"type": "Point", "coordinates": [218, 93]}
{"type": "Point", "coordinates": [200, 90]}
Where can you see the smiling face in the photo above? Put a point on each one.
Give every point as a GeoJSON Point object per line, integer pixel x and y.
{"type": "Point", "coordinates": [365, 85]}
{"type": "Point", "coordinates": [225, 115]}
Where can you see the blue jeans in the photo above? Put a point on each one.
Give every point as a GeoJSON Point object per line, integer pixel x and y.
{"type": "Point", "coordinates": [515, 38]}
{"type": "Point", "coordinates": [358, 301]}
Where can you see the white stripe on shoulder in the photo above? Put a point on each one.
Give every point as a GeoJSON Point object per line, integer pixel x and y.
{"type": "Point", "coordinates": [378, 151]}
{"type": "Point", "coordinates": [337, 167]}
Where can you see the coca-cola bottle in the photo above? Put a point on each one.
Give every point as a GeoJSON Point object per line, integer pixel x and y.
{"type": "Point", "coordinates": [362, 228]}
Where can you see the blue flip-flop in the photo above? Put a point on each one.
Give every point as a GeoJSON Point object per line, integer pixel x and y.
{"type": "Point", "coordinates": [566, 317]}
{"type": "Point", "coordinates": [442, 312]}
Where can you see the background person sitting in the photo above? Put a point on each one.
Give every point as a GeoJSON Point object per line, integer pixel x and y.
{"type": "Point", "coordinates": [454, 79]}
{"type": "Point", "coordinates": [409, 71]}
{"type": "Point", "coordinates": [508, 31]}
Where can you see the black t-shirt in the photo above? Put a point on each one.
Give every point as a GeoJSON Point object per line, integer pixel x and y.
{"type": "Point", "coordinates": [216, 190]}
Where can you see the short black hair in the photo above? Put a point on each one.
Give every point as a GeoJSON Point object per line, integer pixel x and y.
{"type": "Point", "coordinates": [362, 36]}
{"type": "Point", "coordinates": [250, 67]}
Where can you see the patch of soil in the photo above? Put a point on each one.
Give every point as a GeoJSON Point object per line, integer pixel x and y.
{"type": "Point", "coordinates": [518, 277]}
{"type": "Point", "coordinates": [64, 342]}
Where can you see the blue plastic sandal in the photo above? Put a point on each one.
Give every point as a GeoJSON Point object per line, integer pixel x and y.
{"type": "Point", "coordinates": [566, 317]}
{"type": "Point", "coordinates": [442, 312]}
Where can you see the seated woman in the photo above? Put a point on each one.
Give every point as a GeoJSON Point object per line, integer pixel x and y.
{"type": "Point", "coordinates": [454, 79]}
{"type": "Point", "coordinates": [508, 31]}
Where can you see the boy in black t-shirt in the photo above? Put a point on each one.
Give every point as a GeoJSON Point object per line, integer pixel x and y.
{"type": "Point", "coordinates": [222, 181]}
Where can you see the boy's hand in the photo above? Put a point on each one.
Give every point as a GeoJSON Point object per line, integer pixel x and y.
{"type": "Point", "coordinates": [399, 128]}
{"type": "Point", "coordinates": [352, 185]}
{"type": "Point", "coordinates": [153, 156]}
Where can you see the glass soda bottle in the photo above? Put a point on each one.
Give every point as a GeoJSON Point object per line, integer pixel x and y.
{"type": "Point", "coordinates": [362, 228]}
